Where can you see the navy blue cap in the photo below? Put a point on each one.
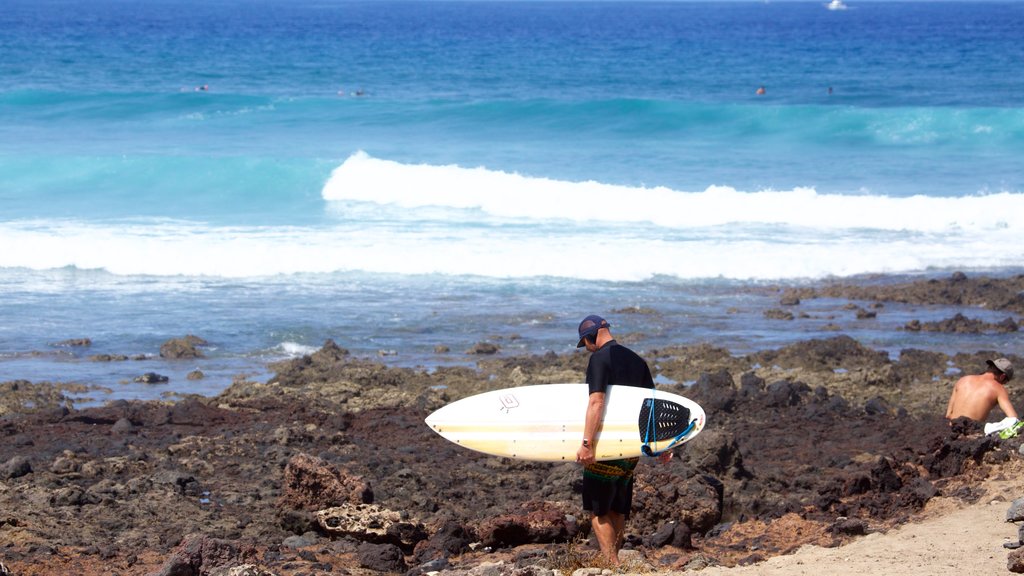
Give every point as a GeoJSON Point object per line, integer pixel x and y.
{"type": "Point", "coordinates": [589, 327]}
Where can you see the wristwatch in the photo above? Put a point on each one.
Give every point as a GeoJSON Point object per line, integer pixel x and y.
{"type": "Point", "coordinates": [586, 443]}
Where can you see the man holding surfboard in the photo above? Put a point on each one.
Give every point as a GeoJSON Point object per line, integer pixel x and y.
{"type": "Point", "coordinates": [607, 485]}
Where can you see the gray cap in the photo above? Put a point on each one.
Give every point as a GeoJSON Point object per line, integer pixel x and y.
{"type": "Point", "coordinates": [1003, 365]}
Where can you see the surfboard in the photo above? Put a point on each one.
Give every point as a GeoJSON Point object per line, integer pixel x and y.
{"type": "Point", "coordinates": [544, 422]}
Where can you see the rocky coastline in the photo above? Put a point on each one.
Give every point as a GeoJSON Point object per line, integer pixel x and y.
{"type": "Point", "coordinates": [327, 467]}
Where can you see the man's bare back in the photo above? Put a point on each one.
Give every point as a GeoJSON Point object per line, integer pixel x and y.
{"type": "Point", "coordinates": [975, 396]}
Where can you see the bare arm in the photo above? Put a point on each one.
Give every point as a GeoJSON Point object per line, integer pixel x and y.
{"type": "Point", "coordinates": [949, 406]}
{"type": "Point", "coordinates": [1004, 403]}
{"type": "Point", "coordinates": [594, 419]}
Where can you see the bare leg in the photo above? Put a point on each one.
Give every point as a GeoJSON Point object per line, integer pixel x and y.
{"type": "Point", "coordinates": [607, 535]}
{"type": "Point", "coordinates": [619, 523]}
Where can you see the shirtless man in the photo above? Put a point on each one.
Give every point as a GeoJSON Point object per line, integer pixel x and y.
{"type": "Point", "coordinates": [975, 396]}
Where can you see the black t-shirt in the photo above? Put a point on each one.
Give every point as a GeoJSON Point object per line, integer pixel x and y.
{"type": "Point", "coordinates": [614, 364]}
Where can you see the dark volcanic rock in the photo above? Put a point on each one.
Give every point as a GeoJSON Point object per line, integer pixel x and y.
{"type": "Point", "coordinates": [179, 348]}
{"type": "Point", "coordinates": [485, 348]}
{"type": "Point", "coordinates": [951, 455]}
{"type": "Point", "coordinates": [961, 324]}
{"type": "Point", "coordinates": [715, 392]}
{"type": "Point", "coordinates": [75, 342]}
{"type": "Point", "coordinates": [830, 354]}
{"type": "Point", "coordinates": [16, 467]}
{"type": "Point", "coordinates": [381, 557]}
{"type": "Point", "coordinates": [451, 539]}
{"type": "Point", "coordinates": [670, 534]}
{"type": "Point", "coordinates": [152, 378]}
{"type": "Point", "coordinates": [958, 290]}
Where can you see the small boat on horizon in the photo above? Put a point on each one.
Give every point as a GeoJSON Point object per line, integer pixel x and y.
{"type": "Point", "coordinates": [836, 5]}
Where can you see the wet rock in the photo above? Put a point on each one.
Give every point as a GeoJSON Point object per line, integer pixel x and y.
{"type": "Point", "coordinates": [311, 483]}
{"type": "Point", "coordinates": [863, 314]}
{"type": "Point", "coordinates": [199, 555]}
{"type": "Point", "coordinates": [381, 557]}
{"type": "Point", "coordinates": [960, 324]}
{"type": "Point", "coordinates": [108, 358]}
{"type": "Point", "coordinates": [152, 378]}
{"type": "Point", "coordinates": [15, 467]}
{"type": "Point", "coordinates": [179, 348]}
{"type": "Point", "coordinates": [778, 314]}
{"type": "Point", "coordinates": [957, 290]}
{"type": "Point", "coordinates": [484, 348]}
{"type": "Point", "coordinates": [75, 343]}
{"type": "Point", "coordinates": [790, 298]}
{"type": "Point", "coordinates": [195, 375]}
{"type": "Point", "coordinates": [325, 365]}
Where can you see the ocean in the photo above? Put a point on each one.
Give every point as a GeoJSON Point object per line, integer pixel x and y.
{"type": "Point", "coordinates": [410, 177]}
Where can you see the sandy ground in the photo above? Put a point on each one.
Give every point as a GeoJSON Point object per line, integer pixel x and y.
{"type": "Point", "coordinates": [948, 538]}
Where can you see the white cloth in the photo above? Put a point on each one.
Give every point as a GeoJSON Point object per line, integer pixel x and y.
{"type": "Point", "coordinates": [993, 427]}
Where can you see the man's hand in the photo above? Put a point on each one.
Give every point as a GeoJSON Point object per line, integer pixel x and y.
{"type": "Point", "coordinates": [585, 455]}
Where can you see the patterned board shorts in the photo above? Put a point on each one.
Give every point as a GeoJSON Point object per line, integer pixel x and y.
{"type": "Point", "coordinates": [608, 486]}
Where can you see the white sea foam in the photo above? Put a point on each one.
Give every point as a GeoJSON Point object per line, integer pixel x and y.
{"type": "Point", "coordinates": [576, 252]}
{"type": "Point", "coordinates": [366, 179]}
{"type": "Point", "coordinates": [294, 349]}
{"type": "Point", "coordinates": [414, 219]}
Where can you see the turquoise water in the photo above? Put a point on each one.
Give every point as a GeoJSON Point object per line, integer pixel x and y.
{"type": "Point", "coordinates": [398, 175]}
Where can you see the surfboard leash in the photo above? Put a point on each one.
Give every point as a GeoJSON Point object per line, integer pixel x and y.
{"type": "Point", "coordinates": [653, 428]}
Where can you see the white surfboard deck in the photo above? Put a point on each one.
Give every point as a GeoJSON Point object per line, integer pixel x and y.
{"type": "Point", "coordinates": [544, 422]}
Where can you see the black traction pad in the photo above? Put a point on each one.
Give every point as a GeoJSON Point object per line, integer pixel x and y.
{"type": "Point", "coordinates": [670, 420]}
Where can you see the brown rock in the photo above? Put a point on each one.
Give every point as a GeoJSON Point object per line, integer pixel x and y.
{"type": "Point", "coordinates": [1015, 561]}
{"type": "Point", "coordinates": [485, 348]}
{"type": "Point", "coordinates": [536, 522]}
{"type": "Point", "coordinates": [199, 554]}
{"type": "Point", "coordinates": [179, 348]}
{"type": "Point", "coordinates": [311, 483]}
